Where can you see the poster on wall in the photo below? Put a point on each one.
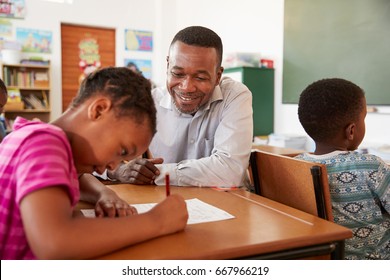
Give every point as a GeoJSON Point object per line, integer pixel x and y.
{"type": "Point", "coordinates": [33, 40]}
{"type": "Point", "coordinates": [5, 27]}
{"type": "Point", "coordinates": [12, 8]}
{"type": "Point", "coordinates": [144, 66]}
{"type": "Point", "coordinates": [89, 56]}
{"type": "Point", "coordinates": [136, 40]}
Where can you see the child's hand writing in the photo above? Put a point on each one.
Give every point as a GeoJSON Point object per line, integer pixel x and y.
{"type": "Point", "coordinates": [111, 205]}
{"type": "Point", "coordinates": [171, 213]}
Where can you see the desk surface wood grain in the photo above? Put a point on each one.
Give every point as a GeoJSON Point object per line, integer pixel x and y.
{"type": "Point", "coordinates": [260, 226]}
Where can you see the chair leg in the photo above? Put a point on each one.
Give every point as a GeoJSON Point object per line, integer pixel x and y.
{"type": "Point", "coordinates": [339, 252]}
{"type": "Point", "coordinates": [318, 190]}
{"type": "Point", "coordinates": [255, 173]}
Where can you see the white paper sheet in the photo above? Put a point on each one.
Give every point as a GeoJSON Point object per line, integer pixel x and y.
{"type": "Point", "coordinates": [198, 211]}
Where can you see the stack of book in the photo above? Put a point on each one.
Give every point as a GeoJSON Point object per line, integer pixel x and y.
{"type": "Point", "coordinates": [35, 61]}
{"type": "Point", "coordinates": [34, 102]}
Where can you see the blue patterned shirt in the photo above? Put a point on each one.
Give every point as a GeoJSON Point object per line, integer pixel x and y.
{"type": "Point", "coordinates": [360, 193]}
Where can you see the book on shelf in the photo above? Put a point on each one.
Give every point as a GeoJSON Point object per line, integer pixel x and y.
{"type": "Point", "coordinates": [41, 79]}
{"type": "Point", "coordinates": [33, 102]}
{"type": "Point", "coordinates": [14, 100]}
{"type": "Point", "coordinates": [25, 78]}
{"type": "Point", "coordinates": [13, 95]}
{"type": "Point", "coordinates": [32, 61]}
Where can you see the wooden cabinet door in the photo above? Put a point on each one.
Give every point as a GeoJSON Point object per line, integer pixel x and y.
{"type": "Point", "coordinates": [84, 49]}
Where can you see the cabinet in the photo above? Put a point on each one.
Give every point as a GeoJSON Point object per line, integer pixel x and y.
{"type": "Point", "coordinates": [260, 82]}
{"type": "Point", "coordinates": [29, 87]}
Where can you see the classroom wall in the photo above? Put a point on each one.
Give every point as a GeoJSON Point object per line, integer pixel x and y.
{"type": "Point", "coordinates": [257, 26]}
{"type": "Point", "coordinates": [244, 25]}
{"type": "Point", "coordinates": [48, 16]}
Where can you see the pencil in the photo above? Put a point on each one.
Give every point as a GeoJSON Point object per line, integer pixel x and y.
{"type": "Point", "coordinates": [167, 187]}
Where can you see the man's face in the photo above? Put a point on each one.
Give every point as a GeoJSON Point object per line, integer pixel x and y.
{"type": "Point", "coordinates": [192, 75]}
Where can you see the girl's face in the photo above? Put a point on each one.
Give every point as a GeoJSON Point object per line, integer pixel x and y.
{"type": "Point", "coordinates": [109, 140]}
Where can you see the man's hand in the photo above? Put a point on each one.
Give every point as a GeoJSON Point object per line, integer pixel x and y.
{"type": "Point", "coordinates": [139, 171]}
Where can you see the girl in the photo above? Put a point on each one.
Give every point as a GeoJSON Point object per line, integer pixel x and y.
{"type": "Point", "coordinates": [112, 119]}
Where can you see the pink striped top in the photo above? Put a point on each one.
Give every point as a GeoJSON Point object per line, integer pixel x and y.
{"type": "Point", "coordinates": [35, 155]}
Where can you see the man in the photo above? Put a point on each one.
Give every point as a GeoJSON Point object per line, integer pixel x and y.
{"type": "Point", "coordinates": [204, 122]}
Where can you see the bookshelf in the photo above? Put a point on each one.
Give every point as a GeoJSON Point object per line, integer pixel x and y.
{"type": "Point", "coordinates": [28, 88]}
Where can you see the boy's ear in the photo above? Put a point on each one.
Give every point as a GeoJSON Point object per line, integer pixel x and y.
{"type": "Point", "coordinates": [350, 131]}
{"type": "Point", "coordinates": [98, 108]}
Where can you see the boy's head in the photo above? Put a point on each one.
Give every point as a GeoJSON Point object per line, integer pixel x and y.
{"type": "Point", "coordinates": [3, 95]}
{"type": "Point", "coordinates": [327, 108]}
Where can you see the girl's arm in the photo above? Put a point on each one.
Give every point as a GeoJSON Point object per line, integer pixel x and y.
{"type": "Point", "coordinates": [106, 201]}
{"type": "Point", "coordinates": [53, 233]}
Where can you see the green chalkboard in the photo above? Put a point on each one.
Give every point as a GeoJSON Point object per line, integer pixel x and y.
{"type": "Point", "coordinates": [347, 39]}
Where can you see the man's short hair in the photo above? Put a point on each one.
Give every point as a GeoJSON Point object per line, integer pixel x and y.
{"type": "Point", "coordinates": [202, 37]}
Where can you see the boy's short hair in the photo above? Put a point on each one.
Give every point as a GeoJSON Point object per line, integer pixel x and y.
{"type": "Point", "coordinates": [326, 106]}
{"type": "Point", "coordinates": [129, 92]}
{"type": "Point", "coordinates": [202, 37]}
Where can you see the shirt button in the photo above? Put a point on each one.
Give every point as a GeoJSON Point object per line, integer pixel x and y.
{"type": "Point", "coordinates": [192, 141]}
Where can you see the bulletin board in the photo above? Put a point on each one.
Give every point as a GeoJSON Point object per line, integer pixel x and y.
{"type": "Point", "coordinates": [347, 39]}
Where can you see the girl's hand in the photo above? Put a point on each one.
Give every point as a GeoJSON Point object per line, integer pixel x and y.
{"type": "Point", "coordinates": [171, 214]}
{"type": "Point", "coordinates": [110, 204]}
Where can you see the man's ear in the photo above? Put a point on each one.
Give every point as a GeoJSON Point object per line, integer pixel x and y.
{"type": "Point", "coordinates": [219, 75]}
{"type": "Point", "coordinates": [98, 108]}
{"type": "Point", "coordinates": [350, 131]}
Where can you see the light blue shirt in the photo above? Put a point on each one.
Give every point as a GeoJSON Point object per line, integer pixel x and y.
{"type": "Point", "coordinates": [211, 148]}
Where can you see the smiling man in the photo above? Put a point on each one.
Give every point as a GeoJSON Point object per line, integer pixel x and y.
{"type": "Point", "coordinates": [204, 122]}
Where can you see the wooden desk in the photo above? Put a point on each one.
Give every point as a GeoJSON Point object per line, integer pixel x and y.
{"type": "Point", "coordinates": [262, 229]}
{"type": "Point", "coordinates": [278, 150]}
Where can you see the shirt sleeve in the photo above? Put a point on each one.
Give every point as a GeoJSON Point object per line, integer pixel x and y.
{"type": "Point", "coordinates": [383, 185]}
{"type": "Point", "coordinates": [46, 161]}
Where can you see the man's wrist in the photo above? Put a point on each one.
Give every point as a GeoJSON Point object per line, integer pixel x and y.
{"type": "Point", "coordinates": [110, 175]}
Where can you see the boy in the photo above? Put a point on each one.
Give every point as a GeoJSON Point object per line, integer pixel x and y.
{"type": "Point", "coordinates": [332, 112]}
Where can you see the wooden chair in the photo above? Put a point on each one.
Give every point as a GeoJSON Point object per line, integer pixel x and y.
{"type": "Point", "coordinates": [297, 183]}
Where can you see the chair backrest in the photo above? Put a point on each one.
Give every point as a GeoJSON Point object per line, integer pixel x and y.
{"type": "Point", "coordinates": [297, 183]}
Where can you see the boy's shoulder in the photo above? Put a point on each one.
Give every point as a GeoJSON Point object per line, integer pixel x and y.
{"type": "Point", "coordinates": [340, 157]}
